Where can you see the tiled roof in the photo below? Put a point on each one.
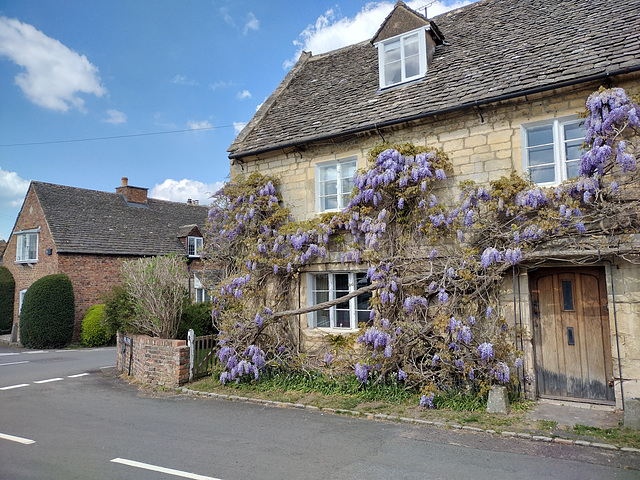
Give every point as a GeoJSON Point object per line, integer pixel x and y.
{"type": "Point", "coordinates": [493, 48]}
{"type": "Point", "coordinates": [89, 221]}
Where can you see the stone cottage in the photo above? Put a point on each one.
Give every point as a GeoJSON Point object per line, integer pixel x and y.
{"type": "Point", "coordinates": [498, 85]}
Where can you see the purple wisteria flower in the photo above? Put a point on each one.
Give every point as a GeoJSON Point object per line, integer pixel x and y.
{"type": "Point", "coordinates": [328, 358]}
{"type": "Point", "coordinates": [362, 372]}
{"type": "Point", "coordinates": [501, 372]}
{"type": "Point", "coordinates": [489, 256]}
{"type": "Point", "coordinates": [519, 362]}
{"type": "Point", "coordinates": [435, 359]}
{"type": "Point", "coordinates": [486, 352]}
{"type": "Point", "coordinates": [443, 297]}
{"type": "Point", "coordinates": [427, 400]}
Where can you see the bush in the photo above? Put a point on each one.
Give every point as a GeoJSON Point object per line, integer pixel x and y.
{"type": "Point", "coordinates": [7, 294]}
{"type": "Point", "coordinates": [94, 331]}
{"type": "Point", "coordinates": [118, 311]}
{"type": "Point", "coordinates": [198, 317]}
{"type": "Point", "coordinates": [48, 311]}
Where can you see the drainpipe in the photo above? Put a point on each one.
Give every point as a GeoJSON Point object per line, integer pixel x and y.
{"type": "Point", "coordinates": [615, 321]}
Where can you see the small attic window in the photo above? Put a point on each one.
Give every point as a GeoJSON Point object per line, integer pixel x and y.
{"type": "Point", "coordinates": [402, 58]}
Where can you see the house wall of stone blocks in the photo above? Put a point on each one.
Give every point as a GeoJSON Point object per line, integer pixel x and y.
{"type": "Point", "coordinates": [483, 144]}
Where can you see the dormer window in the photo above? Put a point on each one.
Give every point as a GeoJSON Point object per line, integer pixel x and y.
{"type": "Point", "coordinates": [402, 58]}
{"type": "Point", "coordinates": [194, 246]}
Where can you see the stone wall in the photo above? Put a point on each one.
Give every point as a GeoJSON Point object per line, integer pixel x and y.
{"type": "Point", "coordinates": [154, 361]}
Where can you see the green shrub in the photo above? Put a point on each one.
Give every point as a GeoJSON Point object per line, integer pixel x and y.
{"type": "Point", "coordinates": [196, 316]}
{"type": "Point", "coordinates": [118, 311]}
{"type": "Point", "coordinates": [94, 331]}
{"type": "Point", "coordinates": [48, 311]}
{"type": "Point", "coordinates": [7, 294]}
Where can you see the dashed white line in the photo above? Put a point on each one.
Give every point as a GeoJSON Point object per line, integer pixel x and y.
{"type": "Point", "coordinates": [37, 351]}
{"type": "Point", "coordinates": [7, 354]}
{"type": "Point", "coordinates": [14, 363]}
{"type": "Point", "coordinates": [78, 375]}
{"type": "Point", "coordinates": [11, 387]}
{"type": "Point", "coordinates": [155, 468]}
{"type": "Point", "coordinates": [49, 380]}
{"type": "Point", "coordinates": [108, 366]}
{"type": "Point", "coordinates": [24, 441]}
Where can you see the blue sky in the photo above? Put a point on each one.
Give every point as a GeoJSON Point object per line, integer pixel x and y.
{"type": "Point", "coordinates": [92, 91]}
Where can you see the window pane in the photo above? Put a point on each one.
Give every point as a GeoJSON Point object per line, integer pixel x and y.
{"type": "Point", "coordinates": [322, 319]}
{"type": "Point", "coordinates": [411, 45]}
{"type": "Point", "coordinates": [572, 149]}
{"type": "Point", "coordinates": [328, 173]}
{"type": "Point", "coordinates": [392, 52]}
{"type": "Point", "coordinates": [567, 295]}
{"type": "Point", "coordinates": [540, 136]}
{"type": "Point", "coordinates": [322, 282]}
{"type": "Point", "coordinates": [363, 317]}
{"type": "Point", "coordinates": [347, 186]}
{"type": "Point", "coordinates": [329, 203]}
{"type": "Point", "coordinates": [541, 155]}
{"type": "Point", "coordinates": [574, 131]}
{"type": "Point", "coordinates": [573, 168]}
{"type": "Point", "coordinates": [543, 174]}
{"type": "Point", "coordinates": [342, 319]}
{"type": "Point", "coordinates": [328, 188]}
{"type": "Point", "coordinates": [348, 170]}
{"type": "Point", "coordinates": [342, 284]}
{"type": "Point", "coordinates": [392, 73]}
{"type": "Point", "coordinates": [411, 66]}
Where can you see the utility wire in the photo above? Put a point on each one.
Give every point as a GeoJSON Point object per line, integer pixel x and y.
{"type": "Point", "coordinates": [78, 140]}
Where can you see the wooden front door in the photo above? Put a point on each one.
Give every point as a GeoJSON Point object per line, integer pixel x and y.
{"type": "Point", "coordinates": [571, 332]}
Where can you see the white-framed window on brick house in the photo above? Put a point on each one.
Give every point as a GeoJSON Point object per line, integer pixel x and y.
{"type": "Point", "coordinates": [334, 183]}
{"type": "Point", "coordinates": [22, 294]}
{"type": "Point", "coordinates": [194, 246]}
{"type": "Point", "coordinates": [551, 149]}
{"type": "Point", "coordinates": [201, 293]}
{"type": "Point", "coordinates": [27, 246]}
{"type": "Point", "coordinates": [402, 58]}
{"type": "Point", "coordinates": [323, 287]}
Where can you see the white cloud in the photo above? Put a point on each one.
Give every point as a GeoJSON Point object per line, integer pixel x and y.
{"type": "Point", "coordinates": [224, 12]}
{"type": "Point", "coordinates": [12, 190]}
{"type": "Point", "coordinates": [219, 84]}
{"type": "Point", "coordinates": [238, 126]}
{"type": "Point", "coordinates": [332, 31]}
{"type": "Point", "coordinates": [183, 80]}
{"type": "Point", "coordinates": [252, 24]}
{"type": "Point", "coordinates": [182, 190]}
{"type": "Point", "coordinates": [244, 94]}
{"type": "Point", "coordinates": [53, 74]}
{"type": "Point", "coordinates": [115, 117]}
{"type": "Point", "coordinates": [193, 125]}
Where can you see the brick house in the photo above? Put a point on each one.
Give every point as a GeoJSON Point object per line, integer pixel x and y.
{"type": "Point", "coordinates": [498, 85]}
{"type": "Point", "coordinates": [87, 234]}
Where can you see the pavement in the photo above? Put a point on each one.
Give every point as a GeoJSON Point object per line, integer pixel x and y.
{"type": "Point", "coordinates": [573, 413]}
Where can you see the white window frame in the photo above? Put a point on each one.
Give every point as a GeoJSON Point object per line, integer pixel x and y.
{"type": "Point", "coordinates": [559, 143]}
{"type": "Point", "coordinates": [22, 293]}
{"type": "Point", "coordinates": [201, 293]}
{"type": "Point", "coordinates": [197, 243]}
{"type": "Point", "coordinates": [340, 165]}
{"type": "Point", "coordinates": [422, 56]}
{"type": "Point", "coordinates": [353, 302]}
{"type": "Point", "coordinates": [29, 235]}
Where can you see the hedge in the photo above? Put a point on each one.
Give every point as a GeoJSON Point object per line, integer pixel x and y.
{"type": "Point", "coordinates": [48, 311]}
{"type": "Point", "coordinates": [7, 295]}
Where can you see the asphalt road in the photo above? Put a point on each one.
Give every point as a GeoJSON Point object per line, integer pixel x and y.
{"type": "Point", "coordinates": [98, 426]}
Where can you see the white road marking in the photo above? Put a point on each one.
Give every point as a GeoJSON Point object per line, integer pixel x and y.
{"type": "Point", "coordinates": [10, 387]}
{"type": "Point", "coordinates": [78, 375]}
{"type": "Point", "coordinates": [7, 354]}
{"type": "Point", "coordinates": [108, 366]}
{"type": "Point", "coordinates": [14, 363]}
{"type": "Point", "coordinates": [37, 351]}
{"type": "Point", "coordinates": [154, 468]}
{"type": "Point", "coordinates": [49, 380]}
{"type": "Point", "coordinates": [24, 441]}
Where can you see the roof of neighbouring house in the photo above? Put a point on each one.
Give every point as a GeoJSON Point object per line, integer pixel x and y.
{"type": "Point", "coordinates": [94, 222]}
{"type": "Point", "coordinates": [492, 49]}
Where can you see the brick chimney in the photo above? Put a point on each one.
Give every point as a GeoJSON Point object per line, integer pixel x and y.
{"type": "Point", "coordinates": [132, 194]}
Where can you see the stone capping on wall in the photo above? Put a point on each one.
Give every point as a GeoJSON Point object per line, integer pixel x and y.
{"type": "Point", "coordinates": [153, 361]}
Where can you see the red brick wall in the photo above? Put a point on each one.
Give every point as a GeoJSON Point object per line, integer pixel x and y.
{"type": "Point", "coordinates": [91, 276]}
{"type": "Point", "coordinates": [154, 361]}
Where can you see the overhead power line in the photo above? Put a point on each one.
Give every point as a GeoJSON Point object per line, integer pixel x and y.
{"type": "Point", "coordinates": [113, 137]}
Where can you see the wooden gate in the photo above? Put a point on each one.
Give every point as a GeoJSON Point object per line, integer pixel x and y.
{"type": "Point", "coordinates": [202, 355]}
{"type": "Point", "coordinates": [571, 333]}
